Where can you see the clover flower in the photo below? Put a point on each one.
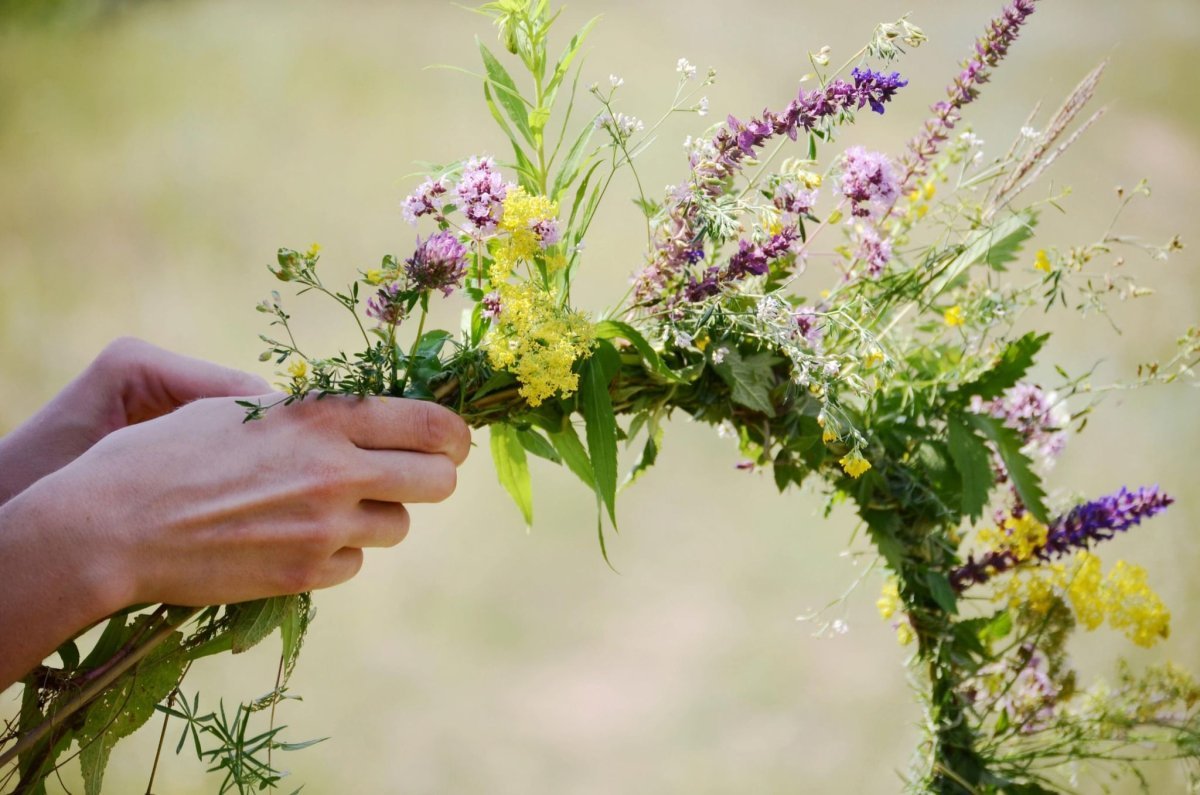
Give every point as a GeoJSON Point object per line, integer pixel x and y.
{"type": "Point", "coordinates": [424, 200]}
{"type": "Point", "coordinates": [385, 306]}
{"type": "Point", "coordinates": [481, 191]}
{"type": "Point", "coordinates": [868, 181]}
{"type": "Point", "coordinates": [439, 263]}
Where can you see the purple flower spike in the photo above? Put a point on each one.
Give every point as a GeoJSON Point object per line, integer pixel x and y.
{"type": "Point", "coordinates": [481, 192]}
{"type": "Point", "coordinates": [439, 263]}
{"type": "Point", "coordinates": [1082, 527]}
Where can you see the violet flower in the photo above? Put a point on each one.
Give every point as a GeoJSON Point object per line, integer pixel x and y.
{"type": "Point", "coordinates": [439, 263]}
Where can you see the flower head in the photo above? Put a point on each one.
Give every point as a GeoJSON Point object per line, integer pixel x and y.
{"type": "Point", "coordinates": [868, 181]}
{"type": "Point", "coordinates": [425, 200]}
{"type": "Point", "coordinates": [439, 263]}
{"type": "Point", "coordinates": [385, 306]}
{"type": "Point", "coordinates": [480, 192]}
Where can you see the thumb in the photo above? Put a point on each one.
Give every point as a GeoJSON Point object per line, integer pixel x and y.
{"type": "Point", "coordinates": [159, 381]}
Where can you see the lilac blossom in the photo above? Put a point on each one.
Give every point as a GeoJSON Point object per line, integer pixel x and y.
{"type": "Point", "coordinates": [990, 49]}
{"type": "Point", "coordinates": [424, 200]}
{"type": "Point", "coordinates": [1079, 529]}
{"type": "Point", "coordinates": [439, 263]}
{"type": "Point", "coordinates": [868, 181]}
{"type": "Point", "coordinates": [481, 192]}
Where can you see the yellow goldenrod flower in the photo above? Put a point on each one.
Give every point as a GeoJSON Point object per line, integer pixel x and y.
{"type": "Point", "coordinates": [1042, 261]}
{"type": "Point", "coordinates": [520, 241]}
{"type": "Point", "coordinates": [954, 316]}
{"type": "Point", "coordinates": [888, 602]}
{"type": "Point", "coordinates": [854, 464]}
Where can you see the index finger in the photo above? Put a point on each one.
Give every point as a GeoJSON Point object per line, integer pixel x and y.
{"type": "Point", "coordinates": [386, 423]}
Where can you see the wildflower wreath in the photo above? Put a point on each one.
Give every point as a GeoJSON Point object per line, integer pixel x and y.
{"type": "Point", "coordinates": [892, 372]}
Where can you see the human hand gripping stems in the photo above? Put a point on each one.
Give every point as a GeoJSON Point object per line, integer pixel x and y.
{"type": "Point", "coordinates": [885, 366]}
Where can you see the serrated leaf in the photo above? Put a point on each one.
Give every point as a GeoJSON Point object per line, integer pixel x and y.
{"type": "Point", "coordinates": [566, 442]}
{"type": "Point", "coordinates": [537, 444]}
{"type": "Point", "coordinates": [1010, 367]}
{"type": "Point", "coordinates": [512, 468]}
{"type": "Point", "coordinates": [882, 527]}
{"type": "Point", "coordinates": [250, 622]}
{"type": "Point", "coordinates": [600, 422]}
{"type": "Point", "coordinates": [122, 709]}
{"type": "Point", "coordinates": [942, 591]}
{"type": "Point", "coordinates": [1020, 469]}
{"type": "Point", "coordinates": [749, 378]}
{"type": "Point", "coordinates": [974, 465]}
{"type": "Point", "coordinates": [989, 246]}
{"type": "Point", "coordinates": [649, 456]}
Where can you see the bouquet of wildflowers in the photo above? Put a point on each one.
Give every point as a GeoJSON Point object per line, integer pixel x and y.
{"type": "Point", "coordinates": [855, 319]}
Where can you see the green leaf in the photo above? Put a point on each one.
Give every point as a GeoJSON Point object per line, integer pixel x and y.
{"type": "Point", "coordinates": [750, 378]}
{"type": "Point", "coordinates": [506, 92]}
{"type": "Point", "coordinates": [997, 628]}
{"type": "Point", "coordinates": [575, 161]}
{"type": "Point", "coordinates": [1020, 469]}
{"type": "Point", "coordinates": [613, 329]}
{"type": "Point", "coordinates": [566, 442]}
{"type": "Point", "coordinates": [649, 456]}
{"type": "Point", "coordinates": [600, 422]}
{"type": "Point", "coordinates": [292, 631]}
{"type": "Point", "coordinates": [991, 246]}
{"type": "Point", "coordinates": [537, 444]}
{"type": "Point", "coordinates": [974, 465]}
{"type": "Point", "coordinates": [1010, 367]}
{"type": "Point", "coordinates": [942, 591]}
{"type": "Point", "coordinates": [564, 62]}
{"type": "Point", "coordinates": [512, 468]}
{"type": "Point", "coordinates": [883, 526]}
{"type": "Point", "coordinates": [122, 709]}
{"type": "Point", "coordinates": [253, 621]}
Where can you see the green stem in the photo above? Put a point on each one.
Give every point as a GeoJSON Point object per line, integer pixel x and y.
{"type": "Point", "coordinates": [412, 353]}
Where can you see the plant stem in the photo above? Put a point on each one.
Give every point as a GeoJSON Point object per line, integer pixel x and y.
{"type": "Point", "coordinates": [412, 353]}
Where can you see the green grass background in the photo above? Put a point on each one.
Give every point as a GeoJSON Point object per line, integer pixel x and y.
{"type": "Point", "coordinates": [153, 158]}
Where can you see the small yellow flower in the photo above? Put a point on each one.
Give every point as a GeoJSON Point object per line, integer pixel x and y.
{"type": "Point", "coordinates": [830, 435]}
{"type": "Point", "coordinates": [889, 599]}
{"type": "Point", "coordinates": [873, 357]}
{"type": "Point", "coordinates": [298, 369]}
{"type": "Point", "coordinates": [1042, 261]}
{"type": "Point", "coordinates": [374, 277]}
{"type": "Point", "coordinates": [854, 464]}
{"type": "Point", "coordinates": [313, 251]}
{"type": "Point", "coordinates": [954, 316]}
{"type": "Point", "coordinates": [905, 634]}
{"type": "Point", "coordinates": [930, 190]}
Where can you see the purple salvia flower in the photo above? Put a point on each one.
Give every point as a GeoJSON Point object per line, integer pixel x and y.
{"type": "Point", "coordinates": [876, 88]}
{"type": "Point", "coordinates": [990, 49]}
{"type": "Point", "coordinates": [1082, 527]}
{"type": "Point", "coordinates": [424, 200]}
{"type": "Point", "coordinates": [868, 181]}
{"type": "Point", "coordinates": [439, 263]}
{"type": "Point", "coordinates": [751, 259]}
{"type": "Point", "coordinates": [385, 305]}
{"type": "Point", "coordinates": [481, 191]}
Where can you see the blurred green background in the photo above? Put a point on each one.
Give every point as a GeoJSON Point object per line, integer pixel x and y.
{"type": "Point", "coordinates": [154, 155]}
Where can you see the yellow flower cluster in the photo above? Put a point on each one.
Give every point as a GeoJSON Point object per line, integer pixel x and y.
{"type": "Point", "coordinates": [854, 464]}
{"type": "Point", "coordinates": [538, 341]}
{"type": "Point", "coordinates": [1122, 597]}
{"type": "Point", "coordinates": [1021, 535]}
{"type": "Point", "coordinates": [1042, 262]}
{"type": "Point", "coordinates": [954, 316]}
{"type": "Point", "coordinates": [519, 241]}
{"type": "Point", "coordinates": [889, 599]}
{"type": "Point", "coordinates": [919, 200]}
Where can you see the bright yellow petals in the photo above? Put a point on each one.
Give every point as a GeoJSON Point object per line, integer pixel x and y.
{"type": "Point", "coordinates": [374, 277]}
{"type": "Point", "coordinates": [905, 634]}
{"type": "Point", "coordinates": [538, 341]}
{"type": "Point", "coordinates": [1042, 261]}
{"type": "Point", "coordinates": [954, 316]}
{"type": "Point", "coordinates": [313, 251]}
{"type": "Point", "coordinates": [1023, 536]}
{"type": "Point", "coordinates": [929, 190]}
{"type": "Point", "coordinates": [854, 464]}
{"type": "Point", "coordinates": [519, 240]}
{"type": "Point", "coordinates": [873, 357]}
{"type": "Point", "coordinates": [829, 435]}
{"type": "Point", "coordinates": [298, 369]}
{"type": "Point", "coordinates": [888, 602]}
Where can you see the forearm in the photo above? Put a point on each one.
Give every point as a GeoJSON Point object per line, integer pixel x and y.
{"type": "Point", "coordinates": [54, 583]}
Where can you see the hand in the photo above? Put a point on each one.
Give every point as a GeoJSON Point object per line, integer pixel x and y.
{"type": "Point", "coordinates": [129, 382]}
{"type": "Point", "coordinates": [197, 507]}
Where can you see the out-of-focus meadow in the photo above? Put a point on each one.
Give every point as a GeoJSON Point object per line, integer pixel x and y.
{"type": "Point", "coordinates": [152, 160]}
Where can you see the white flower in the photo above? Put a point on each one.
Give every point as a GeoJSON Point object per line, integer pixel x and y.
{"type": "Point", "coordinates": [1030, 133]}
{"type": "Point", "coordinates": [685, 68]}
{"type": "Point", "coordinates": [726, 430]}
{"type": "Point", "coordinates": [971, 139]}
{"type": "Point", "coordinates": [702, 106]}
{"type": "Point", "coordinates": [832, 368]}
{"type": "Point", "coordinates": [839, 627]}
{"type": "Point", "coordinates": [682, 339]}
{"type": "Point", "coordinates": [615, 81]}
{"type": "Point", "coordinates": [719, 355]}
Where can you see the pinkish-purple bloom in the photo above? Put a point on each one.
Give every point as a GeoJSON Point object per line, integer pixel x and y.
{"type": "Point", "coordinates": [481, 191]}
{"type": "Point", "coordinates": [873, 250]}
{"type": "Point", "coordinates": [868, 181]}
{"type": "Point", "coordinates": [439, 263]}
{"type": "Point", "coordinates": [386, 305]}
{"type": "Point", "coordinates": [425, 200]}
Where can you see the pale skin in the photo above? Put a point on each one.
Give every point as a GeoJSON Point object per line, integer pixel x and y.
{"type": "Point", "coordinates": [140, 484]}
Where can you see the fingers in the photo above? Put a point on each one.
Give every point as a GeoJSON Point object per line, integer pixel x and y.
{"type": "Point", "coordinates": [399, 424]}
{"type": "Point", "coordinates": [156, 381]}
{"type": "Point", "coordinates": [378, 524]}
{"type": "Point", "coordinates": [340, 567]}
{"type": "Point", "coordinates": [399, 476]}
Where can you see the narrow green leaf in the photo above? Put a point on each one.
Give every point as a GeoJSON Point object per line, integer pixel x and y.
{"type": "Point", "coordinates": [512, 468]}
{"type": "Point", "coordinates": [973, 463]}
{"type": "Point", "coordinates": [1020, 469]}
{"type": "Point", "coordinates": [616, 329]}
{"type": "Point", "coordinates": [537, 444]}
{"type": "Point", "coordinates": [750, 379]}
{"type": "Point", "coordinates": [649, 454]}
{"type": "Point", "coordinates": [575, 161]}
{"type": "Point", "coordinates": [506, 93]}
{"type": "Point", "coordinates": [600, 422]}
{"type": "Point", "coordinates": [942, 591]}
{"type": "Point", "coordinates": [564, 62]}
{"type": "Point", "coordinates": [986, 245]}
{"type": "Point", "coordinates": [566, 442]}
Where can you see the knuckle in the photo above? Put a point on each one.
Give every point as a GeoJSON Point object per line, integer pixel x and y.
{"type": "Point", "coordinates": [398, 527]}
{"type": "Point", "coordinates": [438, 425]}
{"type": "Point", "coordinates": [444, 478]}
{"type": "Point", "coordinates": [296, 578]}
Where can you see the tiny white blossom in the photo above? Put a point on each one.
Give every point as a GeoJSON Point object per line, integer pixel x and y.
{"type": "Point", "coordinates": [970, 139]}
{"type": "Point", "coordinates": [726, 430]}
{"type": "Point", "coordinates": [1030, 133]}
{"type": "Point", "coordinates": [685, 68]}
{"type": "Point", "coordinates": [800, 376]}
{"type": "Point", "coordinates": [615, 81]}
{"type": "Point", "coordinates": [682, 339]}
{"type": "Point", "coordinates": [702, 106]}
{"type": "Point", "coordinates": [719, 354]}
{"type": "Point", "coordinates": [832, 368]}
{"type": "Point", "coordinates": [839, 627]}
